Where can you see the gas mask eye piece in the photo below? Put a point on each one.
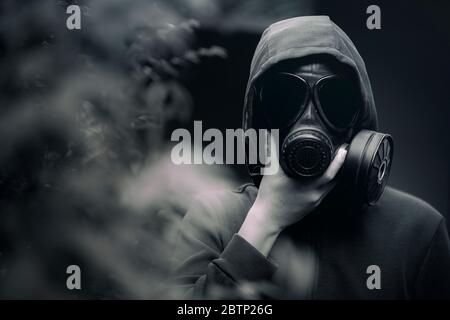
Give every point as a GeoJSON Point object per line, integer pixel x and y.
{"type": "Point", "coordinates": [339, 101]}
{"type": "Point", "coordinates": [283, 99]}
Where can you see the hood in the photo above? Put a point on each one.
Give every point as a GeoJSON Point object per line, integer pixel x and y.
{"type": "Point", "coordinates": [306, 36]}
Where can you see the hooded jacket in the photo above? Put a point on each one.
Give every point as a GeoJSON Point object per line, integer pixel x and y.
{"type": "Point", "coordinates": [396, 249]}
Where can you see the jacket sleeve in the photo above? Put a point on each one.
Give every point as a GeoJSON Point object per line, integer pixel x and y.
{"type": "Point", "coordinates": [207, 267]}
{"type": "Point", "coordinates": [433, 281]}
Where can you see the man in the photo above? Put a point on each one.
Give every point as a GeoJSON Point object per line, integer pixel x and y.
{"type": "Point", "coordinates": [303, 238]}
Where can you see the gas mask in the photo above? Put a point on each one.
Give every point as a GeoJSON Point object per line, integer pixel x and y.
{"type": "Point", "coordinates": [316, 107]}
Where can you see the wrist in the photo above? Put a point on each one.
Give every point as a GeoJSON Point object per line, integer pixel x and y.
{"type": "Point", "coordinates": [262, 215]}
{"type": "Point", "coordinates": [258, 229]}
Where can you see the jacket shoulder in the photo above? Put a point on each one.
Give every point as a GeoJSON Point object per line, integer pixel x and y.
{"type": "Point", "coordinates": [410, 203]}
{"type": "Point", "coordinates": [407, 211]}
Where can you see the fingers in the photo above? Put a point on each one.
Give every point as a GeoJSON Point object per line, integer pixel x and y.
{"type": "Point", "coordinates": [334, 167]}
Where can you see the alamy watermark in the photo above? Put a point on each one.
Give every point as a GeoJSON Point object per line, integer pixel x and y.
{"type": "Point", "coordinates": [73, 21]}
{"type": "Point", "coordinates": [373, 21]}
{"type": "Point", "coordinates": [259, 147]}
{"type": "Point", "coordinates": [74, 279]}
{"type": "Point", "coordinates": [374, 280]}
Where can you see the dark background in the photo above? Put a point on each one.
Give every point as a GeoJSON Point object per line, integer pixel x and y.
{"type": "Point", "coordinates": [407, 62]}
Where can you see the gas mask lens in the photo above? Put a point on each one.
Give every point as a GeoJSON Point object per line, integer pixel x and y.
{"type": "Point", "coordinates": [282, 100]}
{"type": "Point", "coordinates": [339, 101]}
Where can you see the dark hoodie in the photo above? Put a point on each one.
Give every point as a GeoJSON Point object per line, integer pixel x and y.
{"type": "Point", "coordinates": [396, 249]}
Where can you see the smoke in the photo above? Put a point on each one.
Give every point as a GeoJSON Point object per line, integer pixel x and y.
{"type": "Point", "coordinates": [85, 176]}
